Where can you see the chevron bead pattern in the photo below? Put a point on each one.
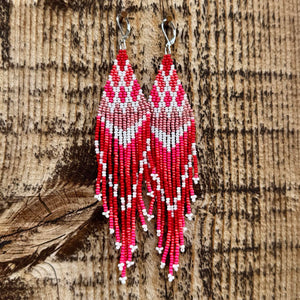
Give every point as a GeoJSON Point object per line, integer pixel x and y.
{"type": "Point", "coordinates": [174, 154]}
{"type": "Point", "coordinates": [122, 144]}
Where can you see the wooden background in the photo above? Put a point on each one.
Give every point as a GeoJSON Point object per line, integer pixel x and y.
{"type": "Point", "coordinates": [239, 61]}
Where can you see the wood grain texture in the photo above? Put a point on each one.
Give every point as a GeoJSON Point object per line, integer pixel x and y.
{"type": "Point", "coordinates": [239, 61]}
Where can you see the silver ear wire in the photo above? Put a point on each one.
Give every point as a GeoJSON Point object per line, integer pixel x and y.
{"type": "Point", "coordinates": [126, 34]}
{"type": "Point", "coordinates": [169, 42]}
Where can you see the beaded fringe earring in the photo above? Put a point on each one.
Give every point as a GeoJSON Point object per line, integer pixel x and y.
{"type": "Point", "coordinates": [122, 144]}
{"type": "Point", "coordinates": [174, 153]}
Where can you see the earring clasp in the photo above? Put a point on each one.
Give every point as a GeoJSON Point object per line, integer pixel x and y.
{"type": "Point", "coordinates": [125, 35]}
{"type": "Point", "coordinates": [172, 40]}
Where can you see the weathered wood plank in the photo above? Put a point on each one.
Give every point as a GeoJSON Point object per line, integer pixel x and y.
{"type": "Point", "coordinates": [239, 63]}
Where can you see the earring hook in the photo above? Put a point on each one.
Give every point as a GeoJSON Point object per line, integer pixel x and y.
{"type": "Point", "coordinates": [172, 41]}
{"type": "Point", "coordinates": [125, 35]}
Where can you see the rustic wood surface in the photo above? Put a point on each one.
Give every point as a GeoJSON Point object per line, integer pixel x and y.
{"type": "Point", "coordinates": [239, 61]}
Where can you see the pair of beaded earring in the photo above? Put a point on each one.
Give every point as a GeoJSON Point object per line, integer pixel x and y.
{"type": "Point", "coordinates": [153, 141]}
